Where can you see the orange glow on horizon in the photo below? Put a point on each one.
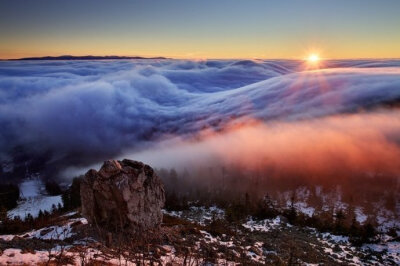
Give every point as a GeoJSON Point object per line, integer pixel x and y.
{"type": "Point", "coordinates": [182, 51]}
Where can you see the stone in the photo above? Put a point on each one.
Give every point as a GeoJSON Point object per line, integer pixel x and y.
{"type": "Point", "coordinates": [123, 196]}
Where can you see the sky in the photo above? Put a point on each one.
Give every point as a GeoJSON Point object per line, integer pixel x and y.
{"type": "Point", "coordinates": [201, 29]}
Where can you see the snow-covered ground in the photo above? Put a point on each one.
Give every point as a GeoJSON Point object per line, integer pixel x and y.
{"type": "Point", "coordinates": [33, 199]}
{"type": "Point", "coordinates": [390, 249]}
{"type": "Point", "coordinates": [337, 247]}
{"type": "Point", "coordinates": [14, 256]}
{"type": "Point", "coordinates": [200, 215]}
{"type": "Point", "coordinates": [264, 225]}
{"type": "Point", "coordinates": [56, 232]}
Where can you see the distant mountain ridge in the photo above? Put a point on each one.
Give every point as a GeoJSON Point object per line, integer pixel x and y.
{"type": "Point", "coordinates": [87, 57]}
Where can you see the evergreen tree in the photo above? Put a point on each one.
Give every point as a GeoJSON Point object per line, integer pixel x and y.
{"type": "Point", "coordinates": [72, 196]}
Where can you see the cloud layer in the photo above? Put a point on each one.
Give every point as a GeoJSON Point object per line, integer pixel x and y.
{"type": "Point", "coordinates": [339, 145]}
{"type": "Point", "coordinates": [80, 112]}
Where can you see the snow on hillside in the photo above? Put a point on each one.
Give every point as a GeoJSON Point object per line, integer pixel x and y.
{"type": "Point", "coordinates": [56, 232]}
{"type": "Point", "coordinates": [30, 188]}
{"type": "Point", "coordinates": [33, 199]}
{"type": "Point", "coordinates": [257, 240]}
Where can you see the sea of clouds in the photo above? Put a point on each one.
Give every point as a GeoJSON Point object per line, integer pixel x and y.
{"type": "Point", "coordinates": [166, 112]}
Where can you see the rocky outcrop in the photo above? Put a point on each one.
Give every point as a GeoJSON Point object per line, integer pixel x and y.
{"type": "Point", "coordinates": [123, 195]}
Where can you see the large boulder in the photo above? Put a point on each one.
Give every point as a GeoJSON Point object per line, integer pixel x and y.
{"type": "Point", "coordinates": [123, 195]}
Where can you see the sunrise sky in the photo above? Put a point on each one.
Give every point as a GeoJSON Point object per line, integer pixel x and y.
{"type": "Point", "coordinates": [201, 29]}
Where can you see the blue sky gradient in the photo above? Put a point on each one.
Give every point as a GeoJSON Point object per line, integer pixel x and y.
{"type": "Point", "coordinates": [198, 29]}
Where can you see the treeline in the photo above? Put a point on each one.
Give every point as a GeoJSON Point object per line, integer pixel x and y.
{"type": "Point", "coordinates": [238, 211]}
{"type": "Point", "coordinates": [337, 222]}
{"type": "Point", "coordinates": [219, 184]}
{"type": "Point", "coordinates": [18, 224]}
{"type": "Point", "coordinates": [242, 195]}
{"type": "Point", "coordinates": [9, 195]}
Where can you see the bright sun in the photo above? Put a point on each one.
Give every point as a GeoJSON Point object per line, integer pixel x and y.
{"type": "Point", "coordinates": [313, 58]}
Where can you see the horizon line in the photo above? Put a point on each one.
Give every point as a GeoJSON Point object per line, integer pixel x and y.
{"type": "Point", "coordinates": [128, 57]}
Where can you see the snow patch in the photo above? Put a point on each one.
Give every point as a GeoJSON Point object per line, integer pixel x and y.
{"type": "Point", "coordinates": [33, 200]}
{"type": "Point", "coordinates": [34, 205]}
{"type": "Point", "coordinates": [263, 225]}
{"type": "Point", "coordinates": [391, 250]}
{"type": "Point", "coordinates": [360, 216]}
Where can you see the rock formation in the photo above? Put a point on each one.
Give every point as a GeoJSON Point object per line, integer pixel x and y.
{"type": "Point", "coordinates": [123, 195]}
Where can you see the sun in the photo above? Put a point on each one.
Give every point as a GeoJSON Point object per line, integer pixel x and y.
{"type": "Point", "coordinates": [313, 58]}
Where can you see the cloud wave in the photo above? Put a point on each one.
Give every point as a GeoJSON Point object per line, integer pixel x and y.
{"type": "Point", "coordinates": [79, 112]}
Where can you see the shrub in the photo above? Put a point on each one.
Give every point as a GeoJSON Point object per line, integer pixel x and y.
{"type": "Point", "coordinates": [265, 209]}
{"type": "Point", "coordinates": [362, 234]}
{"type": "Point", "coordinates": [218, 227]}
{"type": "Point", "coordinates": [236, 212]}
{"type": "Point", "coordinates": [291, 214]}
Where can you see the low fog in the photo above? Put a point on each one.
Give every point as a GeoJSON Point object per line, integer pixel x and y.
{"type": "Point", "coordinates": [60, 118]}
{"type": "Point", "coordinates": [340, 145]}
